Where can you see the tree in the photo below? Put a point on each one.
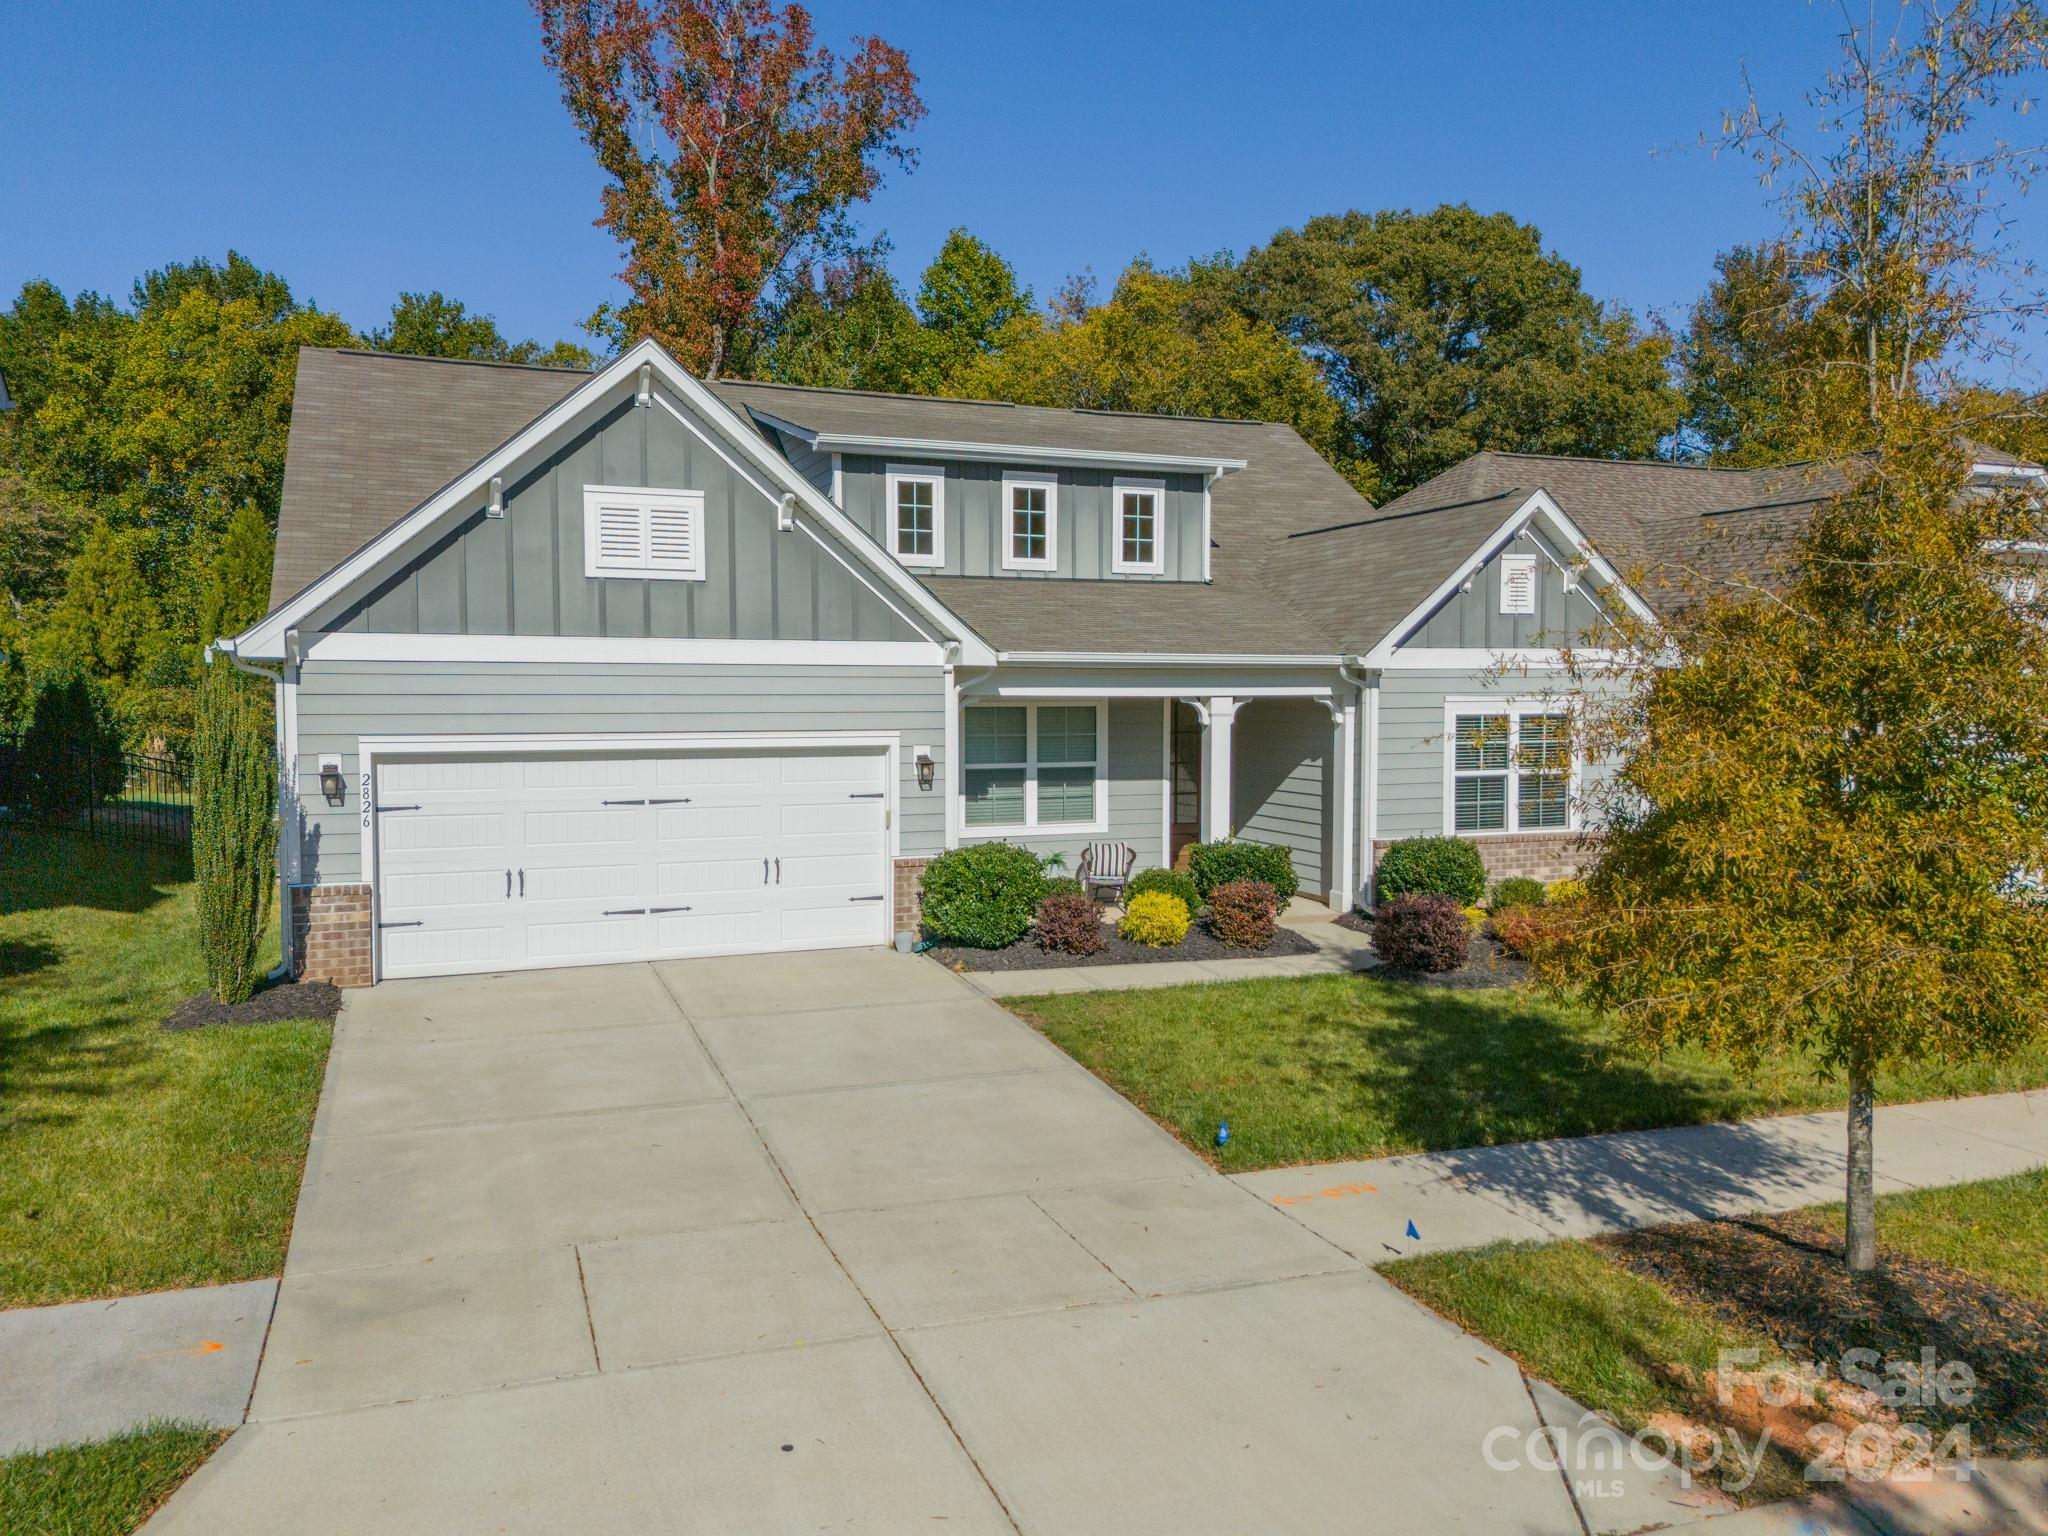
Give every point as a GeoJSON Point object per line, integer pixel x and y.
{"type": "Point", "coordinates": [1447, 332]}
{"type": "Point", "coordinates": [434, 325]}
{"type": "Point", "coordinates": [968, 301]}
{"type": "Point", "coordinates": [40, 532]}
{"type": "Point", "coordinates": [1832, 769]}
{"type": "Point", "coordinates": [847, 328]}
{"type": "Point", "coordinates": [234, 828]}
{"type": "Point", "coordinates": [1164, 342]}
{"type": "Point", "coordinates": [70, 747]}
{"type": "Point", "coordinates": [734, 145]}
{"type": "Point", "coordinates": [237, 578]}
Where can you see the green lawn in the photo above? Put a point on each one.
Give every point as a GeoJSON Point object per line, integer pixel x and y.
{"type": "Point", "coordinates": [104, 1489]}
{"type": "Point", "coordinates": [132, 1159]}
{"type": "Point", "coordinates": [1315, 1069]}
{"type": "Point", "coordinates": [1628, 1325]}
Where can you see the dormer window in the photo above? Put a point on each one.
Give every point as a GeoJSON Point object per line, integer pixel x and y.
{"type": "Point", "coordinates": [917, 514]}
{"type": "Point", "coordinates": [1140, 528]}
{"type": "Point", "coordinates": [1031, 522]}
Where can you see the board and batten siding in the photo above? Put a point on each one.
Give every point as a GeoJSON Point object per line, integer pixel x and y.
{"type": "Point", "coordinates": [523, 574]}
{"type": "Point", "coordinates": [1136, 791]}
{"type": "Point", "coordinates": [340, 702]}
{"type": "Point", "coordinates": [1470, 618]}
{"type": "Point", "coordinates": [1283, 784]}
{"type": "Point", "coordinates": [974, 523]}
{"type": "Point", "coordinates": [1412, 745]}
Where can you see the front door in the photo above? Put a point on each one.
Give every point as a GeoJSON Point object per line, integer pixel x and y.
{"type": "Point", "coordinates": [1187, 780]}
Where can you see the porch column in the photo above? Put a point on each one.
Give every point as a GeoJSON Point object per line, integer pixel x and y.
{"type": "Point", "coordinates": [1219, 715]}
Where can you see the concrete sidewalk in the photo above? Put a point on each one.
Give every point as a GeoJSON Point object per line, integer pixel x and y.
{"type": "Point", "coordinates": [1578, 1186]}
{"type": "Point", "coordinates": [89, 1369]}
{"type": "Point", "coordinates": [1337, 950]}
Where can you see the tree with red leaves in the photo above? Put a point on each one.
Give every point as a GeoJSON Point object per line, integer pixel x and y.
{"type": "Point", "coordinates": [734, 144]}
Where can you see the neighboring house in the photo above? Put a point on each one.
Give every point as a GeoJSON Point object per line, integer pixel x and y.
{"type": "Point", "coordinates": [585, 667]}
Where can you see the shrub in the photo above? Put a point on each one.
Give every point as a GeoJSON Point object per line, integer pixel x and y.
{"type": "Point", "coordinates": [70, 749]}
{"type": "Point", "coordinates": [982, 895]}
{"type": "Point", "coordinates": [1244, 913]}
{"type": "Point", "coordinates": [1059, 885]}
{"type": "Point", "coordinates": [1155, 918]}
{"type": "Point", "coordinates": [1476, 916]}
{"type": "Point", "coordinates": [234, 828]}
{"type": "Point", "coordinates": [1431, 866]}
{"type": "Point", "coordinates": [1175, 882]}
{"type": "Point", "coordinates": [1070, 923]}
{"type": "Point", "coordinates": [1517, 891]}
{"type": "Point", "coordinates": [1421, 932]}
{"type": "Point", "coordinates": [1525, 930]}
{"type": "Point", "coordinates": [1214, 864]}
{"type": "Point", "coordinates": [1562, 893]}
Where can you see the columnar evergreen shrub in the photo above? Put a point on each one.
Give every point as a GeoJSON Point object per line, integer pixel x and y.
{"type": "Point", "coordinates": [1214, 864]}
{"type": "Point", "coordinates": [1070, 923]}
{"type": "Point", "coordinates": [982, 895]}
{"type": "Point", "coordinates": [1421, 932]}
{"type": "Point", "coordinates": [1244, 912]}
{"type": "Point", "coordinates": [70, 748]}
{"type": "Point", "coordinates": [1175, 882]}
{"type": "Point", "coordinates": [234, 828]}
{"type": "Point", "coordinates": [1431, 866]}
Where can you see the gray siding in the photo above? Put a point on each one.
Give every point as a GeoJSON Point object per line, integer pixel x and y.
{"type": "Point", "coordinates": [1412, 740]}
{"type": "Point", "coordinates": [523, 574]}
{"type": "Point", "coordinates": [1284, 785]}
{"type": "Point", "coordinates": [814, 466]}
{"type": "Point", "coordinates": [1471, 619]}
{"type": "Point", "coordinates": [1137, 786]}
{"type": "Point", "coordinates": [340, 702]}
{"type": "Point", "coordinates": [974, 494]}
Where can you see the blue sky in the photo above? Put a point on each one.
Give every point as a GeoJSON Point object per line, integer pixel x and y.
{"type": "Point", "coordinates": [364, 148]}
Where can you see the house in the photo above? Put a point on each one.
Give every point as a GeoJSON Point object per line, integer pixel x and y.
{"type": "Point", "coordinates": [576, 667]}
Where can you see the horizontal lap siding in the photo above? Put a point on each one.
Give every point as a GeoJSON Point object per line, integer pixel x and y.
{"type": "Point", "coordinates": [341, 702]}
{"type": "Point", "coordinates": [1137, 787]}
{"type": "Point", "coordinates": [1282, 783]}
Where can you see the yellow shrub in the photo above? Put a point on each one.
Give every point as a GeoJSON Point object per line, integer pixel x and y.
{"type": "Point", "coordinates": [1155, 918]}
{"type": "Point", "coordinates": [1564, 892]}
{"type": "Point", "coordinates": [1476, 916]}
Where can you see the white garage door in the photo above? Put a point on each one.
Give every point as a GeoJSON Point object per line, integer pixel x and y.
{"type": "Point", "coordinates": [501, 863]}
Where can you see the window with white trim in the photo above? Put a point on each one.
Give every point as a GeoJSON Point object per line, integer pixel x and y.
{"type": "Point", "coordinates": [1510, 770]}
{"type": "Point", "coordinates": [1140, 507]}
{"type": "Point", "coordinates": [1026, 766]}
{"type": "Point", "coordinates": [1030, 522]}
{"type": "Point", "coordinates": [1517, 583]}
{"type": "Point", "coordinates": [644, 532]}
{"type": "Point", "coordinates": [917, 514]}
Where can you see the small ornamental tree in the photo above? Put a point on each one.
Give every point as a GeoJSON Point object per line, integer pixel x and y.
{"type": "Point", "coordinates": [234, 828]}
{"type": "Point", "coordinates": [70, 747]}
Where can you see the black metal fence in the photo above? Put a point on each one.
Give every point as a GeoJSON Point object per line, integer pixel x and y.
{"type": "Point", "coordinates": [130, 797]}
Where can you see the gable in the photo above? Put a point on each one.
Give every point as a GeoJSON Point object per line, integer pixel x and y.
{"type": "Point", "coordinates": [525, 573]}
{"type": "Point", "coordinates": [1565, 607]}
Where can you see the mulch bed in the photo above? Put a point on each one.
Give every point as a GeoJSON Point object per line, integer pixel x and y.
{"type": "Point", "coordinates": [1487, 963]}
{"type": "Point", "coordinates": [1200, 944]}
{"type": "Point", "coordinates": [1782, 1277]}
{"type": "Point", "coordinates": [284, 1000]}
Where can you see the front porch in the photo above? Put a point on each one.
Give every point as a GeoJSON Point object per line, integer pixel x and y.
{"type": "Point", "coordinates": [1054, 763]}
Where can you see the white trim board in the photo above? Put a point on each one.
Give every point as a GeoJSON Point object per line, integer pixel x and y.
{"type": "Point", "coordinates": [1014, 453]}
{"type": "Point", "coordinates": [265, 638]}
{"type": "Point", "coordinates": [347, 645]}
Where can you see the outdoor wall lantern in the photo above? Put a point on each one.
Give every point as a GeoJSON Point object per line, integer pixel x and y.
{"type": "Point", "coordinates": [926, 768]}
{"type": "Point", "coordinates": [331, 784]}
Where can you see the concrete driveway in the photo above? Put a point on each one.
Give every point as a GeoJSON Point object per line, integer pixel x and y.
{"type": "Point", "coordinates": [812, 1242]}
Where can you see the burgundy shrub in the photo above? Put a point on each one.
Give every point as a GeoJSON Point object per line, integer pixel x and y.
{"type": "Point", "coordinates": [1071, 923]}
{"type": "Point", "coordinates": [1422, 933]}
{"type": "Point", "coordinates": [1244, 912]}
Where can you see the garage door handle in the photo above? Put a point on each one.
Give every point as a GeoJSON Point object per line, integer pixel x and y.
{"type": "Point", "coordinates": [623, 802]}
{"type": "Point", "coordinates": [508, 885]}
{"type": "Point", "coordinates": [764, 871]}
{"type": "Point", "coordinates": [871, 795]}
{"type": "Point", "coordinates": [677, 800]}
{"type": "Point", "coordinates": [863, 898]}
{"type": "Point", "coordinates": [669, 909]}
{"type": "Point", "coordinates": [383, 809]}
{"type": "Point", "coordinates": [778, 871]}
{"type": "Point", "coordinates": [625, 912]}
{"type": "Point", "coordinates": [415, 923]}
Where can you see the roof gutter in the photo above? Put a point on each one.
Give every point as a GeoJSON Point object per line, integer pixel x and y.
{"type": "Point", "coordinates": [1170, 659]}
{"type": "Point", "coordinates": [1017, 453]}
